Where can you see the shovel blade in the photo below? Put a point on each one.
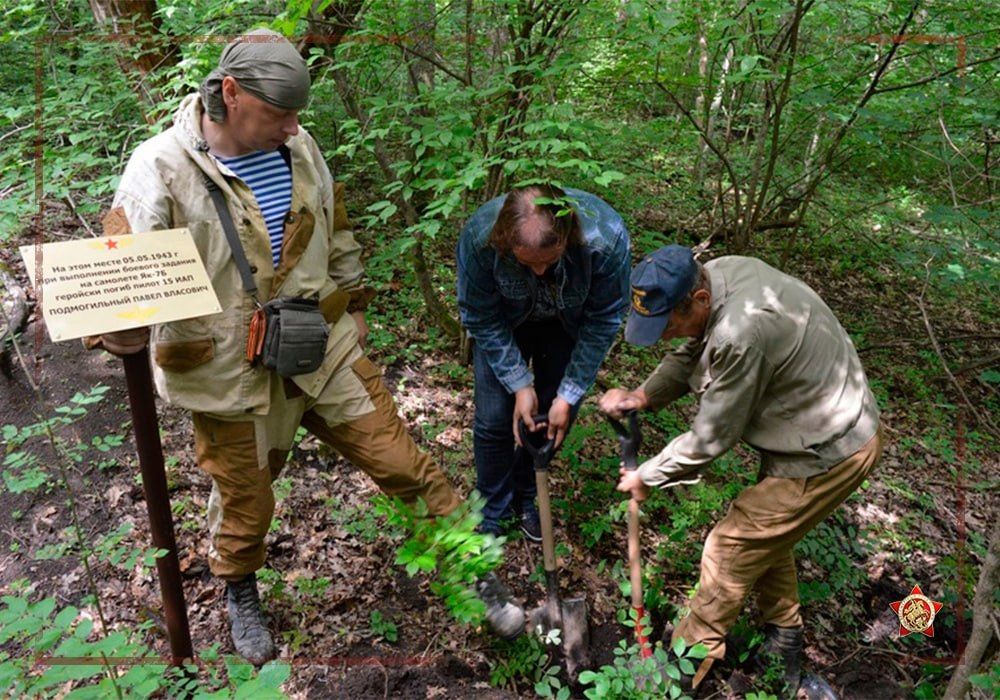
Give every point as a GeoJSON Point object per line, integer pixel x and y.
{"type": "Point", "coordinates": [570, 617]}
{"type": "Point", "coordinates": [576, 636]}
{"type": "Point", "coordinates": [544, 618]}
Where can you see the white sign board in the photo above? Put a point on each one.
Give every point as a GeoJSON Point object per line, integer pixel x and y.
{"type": "Point", "coordinates": [100, 285]}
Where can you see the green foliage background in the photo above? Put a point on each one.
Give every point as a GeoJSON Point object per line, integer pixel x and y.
{"type": "Point", "coordinates": [743, 125]}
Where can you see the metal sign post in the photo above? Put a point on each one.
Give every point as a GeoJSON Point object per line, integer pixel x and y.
{"type": "Point", "coordinates": [154, 484]}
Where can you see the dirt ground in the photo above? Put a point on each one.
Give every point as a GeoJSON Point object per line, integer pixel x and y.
{"type": "Point", "coordinates": [324, 530]}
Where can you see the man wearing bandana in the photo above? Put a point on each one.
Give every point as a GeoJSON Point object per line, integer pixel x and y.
{"type": "Point", "coordinates": [771, 366]}
{"type": "Point", "coordinates": [241, 134]}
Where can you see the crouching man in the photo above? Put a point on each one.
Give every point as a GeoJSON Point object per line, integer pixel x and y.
{"type": "Point", "coordinates": [236, 158]}
{"type": "Point", "coordinates": [771, 366]}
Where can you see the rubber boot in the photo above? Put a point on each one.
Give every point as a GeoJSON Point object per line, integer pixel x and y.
{"type": "Point", "coordinates": [504, 616]}
{"type": "Point", "coordinates": [783, 644]}
{"type": "Point", "coordinates": [247, 624]}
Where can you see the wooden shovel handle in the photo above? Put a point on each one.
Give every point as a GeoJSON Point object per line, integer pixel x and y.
{"type": "Point", "coordinates": [545, 518]}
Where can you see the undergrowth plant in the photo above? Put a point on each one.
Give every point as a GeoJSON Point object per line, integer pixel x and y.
{"type": "Point", "coordinates": [520, 663]}
{"type": "Point", "coordinates": [448, 548]}
{"type": "Point", "coordinates": [631, 676]}
{"type": "Point", "coordinates": [838, 551]}
{"type": "Point", "coordinates": [47, 652]}
{"type": "Point", "coordinates": [383, 627]}
{"type": "Point", "coordinates": [67, 652]}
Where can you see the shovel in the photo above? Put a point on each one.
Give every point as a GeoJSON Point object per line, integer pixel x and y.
{"type": "Point", "coordinates": [630, 439]}
{"type": "Point", "coordinates": [568, 615]}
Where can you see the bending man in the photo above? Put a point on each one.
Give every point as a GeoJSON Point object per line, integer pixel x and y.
{"type": "Point", "coordinates": [542, 280]}
{"type": "Point", "coordinates": [773, 367]}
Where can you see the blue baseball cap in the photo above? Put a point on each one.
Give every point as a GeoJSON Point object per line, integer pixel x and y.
{"type": "Point", "coordinates": [659, 283]}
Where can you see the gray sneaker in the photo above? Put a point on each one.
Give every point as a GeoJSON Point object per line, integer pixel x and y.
{"type": "Point", "coordinates": [247, 624]}
{"type": "Point", "coordinates": [505, 617]}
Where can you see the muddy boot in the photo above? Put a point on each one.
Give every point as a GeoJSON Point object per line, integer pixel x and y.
{"type": "Point", "coordinates": [505, 617]}
{"type": "Point", "coordinates": [247, 623]}
{"type": "Point", "coordinates": [784, 646]}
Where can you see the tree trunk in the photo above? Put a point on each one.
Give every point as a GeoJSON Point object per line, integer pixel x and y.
{"type": "Point", "coordinates": [807, 162]}
{"type": "Point", "coordinates": [813, 181]}
{"type": "Point", "coordinates": [713, 111]}
{"type": "Point", "coordinates": [421, 71]}
{"type": "Point", "coordinates": [437, 310]}
{"type": "Point", "coordinates": [137, 29]}
{"type": "Point", "coordinates": [702, 110]}
{"type": "Point", "coordinates": [536, 32]}
{"type": "Point", "coordinates": [423, 17]}
{"type": "Point", "coordinates": [418, 50]}
{"type": "Point", "coordinates": [337, 20]}
{"type": "Point", "coordinates": [790, 41]}
{"type": "Point", "coordinates": [982, 620]}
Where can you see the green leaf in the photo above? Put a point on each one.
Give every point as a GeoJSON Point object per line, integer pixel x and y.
{"type": "Point", "coordinates": [679, 646]}
{"type": "Point", "coordinates": [608, 176]}
{"type": "Point", "coordinates": [273, 674]}
{"type": "Point", "coordinates": [990, 376]}
{"type": "Point", "coordinates": [956, 271]}
{"type": "Point", "coordinates": [698, 651]}
{"type": "Point", "coordinates": [65, 618]}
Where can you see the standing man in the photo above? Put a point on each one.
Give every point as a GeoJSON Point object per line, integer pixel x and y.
{"type": "Point", "coordinates": [241, 136]}
{"type": "Point", "coordinates": [771, 366]}
{"type": "Point", "coordinates": [542, 280]}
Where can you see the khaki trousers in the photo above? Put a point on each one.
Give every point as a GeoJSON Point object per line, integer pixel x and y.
{"type": "Point", "coordinates": [354, 414]}
{"type": "Point", "coordinates": [751, 549]}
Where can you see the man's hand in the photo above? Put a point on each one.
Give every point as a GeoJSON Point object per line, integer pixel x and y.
{"type": "Point", "coordinates": [617, 402]}
{"type": "Point", "coordinates": [630, 483]}
{"type": "Point", "coordinates": [559, 415]}
{"type": "Point", "coordinates": [362, 324]}
{"type": "Point", "coordinates": [120, 342]}
{"type": "Point", "coordinates": [525, 407]}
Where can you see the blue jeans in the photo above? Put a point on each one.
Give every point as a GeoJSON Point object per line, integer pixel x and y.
{"type": "Point", "coordinates": [505, 477]}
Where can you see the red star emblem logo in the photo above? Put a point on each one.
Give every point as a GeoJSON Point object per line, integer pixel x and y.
{"type": "Point", "coordinates": [916, 613]}
{"type": "Point", "coordinates": [111, 244]}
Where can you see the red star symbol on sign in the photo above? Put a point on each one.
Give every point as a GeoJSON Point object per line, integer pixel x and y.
{"type": "Point", "coordinates": [916, 613]}
{"type": "Point", "coordinates": [111, 244]}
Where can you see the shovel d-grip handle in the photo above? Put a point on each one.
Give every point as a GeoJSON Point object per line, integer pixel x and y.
{"type": "Point", "coordinates": [542, 454]}
{"type": "Point", "coordinates": [629, 438]}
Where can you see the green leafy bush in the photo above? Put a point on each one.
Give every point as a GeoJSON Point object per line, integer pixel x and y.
{"type": "Point", "coordinates": [523, 661]}
{"type": "Point", "coordinates": [56, 653]}
{"type": "Point", "coordinates": [631, 676]}
{"type": "Point", "coordinates": [449, 548]}
{"type": "Point", "coordinates": [384, 627]}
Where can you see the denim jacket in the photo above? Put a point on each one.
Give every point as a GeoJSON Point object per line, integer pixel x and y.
{"type": "Point", "coordinates": [496, 294]}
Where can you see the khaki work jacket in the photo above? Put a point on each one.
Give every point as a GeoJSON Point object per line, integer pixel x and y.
{"type": "Point", "coordinates": [774, 369]}
{"type": "Point", "coordinates": [200, 363]}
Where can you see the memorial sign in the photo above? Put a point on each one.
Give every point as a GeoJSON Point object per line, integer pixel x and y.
{"type": "Point", "coordinates": [101, 285]}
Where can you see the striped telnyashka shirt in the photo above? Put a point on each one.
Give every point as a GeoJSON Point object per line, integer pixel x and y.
{"type": "Point", "coordinates": [269, 178]}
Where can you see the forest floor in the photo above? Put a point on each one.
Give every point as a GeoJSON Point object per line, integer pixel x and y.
{"type": "Point", "coordinates": [918, 522]}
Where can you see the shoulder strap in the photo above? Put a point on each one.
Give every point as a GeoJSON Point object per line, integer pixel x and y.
{"type": "Point", "coordinates": [231, 236]}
